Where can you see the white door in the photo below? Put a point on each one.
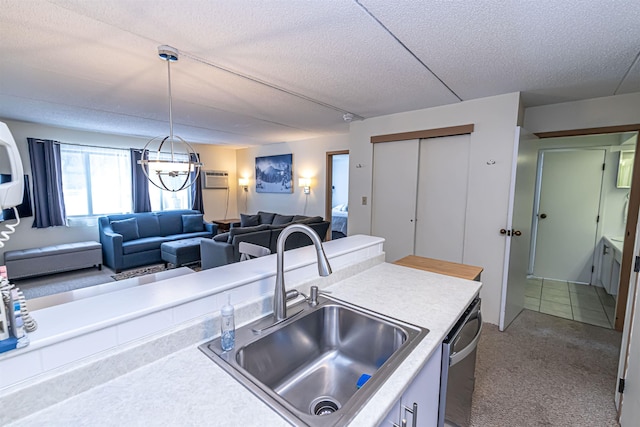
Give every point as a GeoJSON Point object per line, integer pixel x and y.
{"type": "Point", "coordinates": [567, 214]}
{"type": "Point", "coordinates": [519, 217]}
{"type": "Point", "coordinates": [442, 197]}
{"type": "Point", "coordinates": [628, 403]}
{"type": "Point", "coordinates": [395, 165]}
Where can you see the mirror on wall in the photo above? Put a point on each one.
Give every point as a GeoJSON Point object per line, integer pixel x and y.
{"type": "Point", "coordinates": [625, 169]}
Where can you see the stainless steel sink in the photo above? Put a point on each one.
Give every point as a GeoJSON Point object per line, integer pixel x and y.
{"type": "Point", "coordinates": [307, 367]}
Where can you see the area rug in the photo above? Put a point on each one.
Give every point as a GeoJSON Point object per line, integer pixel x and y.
{"type": "Point", "coordinates": [62, 282]}
{"type": "Point", "coordinates": [136, 272]}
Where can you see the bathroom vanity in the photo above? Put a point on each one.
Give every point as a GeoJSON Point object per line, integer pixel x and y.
{"type": "Point", "coordinates": [610, 261]}
{"type": "Point", "coordinates": [160, 377]}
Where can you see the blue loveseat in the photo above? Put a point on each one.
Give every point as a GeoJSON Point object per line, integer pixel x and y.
{"type": "Point", "coordinates": [132, 240]}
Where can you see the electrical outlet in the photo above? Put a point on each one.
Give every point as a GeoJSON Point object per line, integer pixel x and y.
{"type": "Point", "coordinates": [364, 200]}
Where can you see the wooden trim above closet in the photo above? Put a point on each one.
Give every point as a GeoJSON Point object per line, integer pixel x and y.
{"type": "Point", "coordinates": [589, 131]}
{"type": "Point", "coordinates": [422, 134]}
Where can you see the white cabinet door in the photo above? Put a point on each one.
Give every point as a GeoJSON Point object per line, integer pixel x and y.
{"type": "Point", "coordinates": [606, 267]}
{"type": "Point", "coordinates": [424, 395]}
{"type": "Point", "coordinates": [393, 417]}
{"type": "Point", "coordinates": [420, 402]}
{"type": "Point", "coordinates": [393, 201]}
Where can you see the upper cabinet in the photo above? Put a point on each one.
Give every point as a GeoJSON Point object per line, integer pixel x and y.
{"type": "Point", "coordinates": [625, 169]}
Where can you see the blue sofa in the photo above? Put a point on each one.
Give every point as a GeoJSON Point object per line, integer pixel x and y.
{"type": "Point", "coordinates": [133, 240]}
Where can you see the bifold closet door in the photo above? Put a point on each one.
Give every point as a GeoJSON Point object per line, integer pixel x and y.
{"type": "Point", "coordinates": [442, 197]}
{"type": "Point", "coordinates": [395, 166]}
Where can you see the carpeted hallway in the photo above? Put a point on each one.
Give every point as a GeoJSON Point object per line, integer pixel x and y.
{"type": "Point", "coordinates": [546, 371]}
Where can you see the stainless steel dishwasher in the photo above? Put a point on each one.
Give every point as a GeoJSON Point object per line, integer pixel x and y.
{"type": "Point", "coordinates": [458, 368]}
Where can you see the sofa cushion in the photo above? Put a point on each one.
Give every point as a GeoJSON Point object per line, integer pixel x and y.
{"type": "Point", "coordinates": [192, 223]}
{"type": "Point", "coordinates": [249, 220]}
{"type": "Point", "coordinates": [282, 219]}
{"type": "Point", "coordinates": [142, 245]}
{"type": "Point", "coordinates": [244, 230]}
{"type": "Point", "coordinates": [170, 223]}
{"type": "Point", "coordinates": [298, 218]}
{"type": "Point", "coordinates": [187, 236]}
{"type": "Point", "coordinates": [148, 225]}
{"type": "Point", "coordinates": [222, 237]}
{"type": "Point", "coordinates": [266, 217]}
{"type": "Point", "coordinates": [309, 220]}
{"type": "Point", "coordinates": [127, 227]}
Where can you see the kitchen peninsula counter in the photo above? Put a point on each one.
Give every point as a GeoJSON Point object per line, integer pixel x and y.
{"type": "Point", "coordinates": [187, 388]}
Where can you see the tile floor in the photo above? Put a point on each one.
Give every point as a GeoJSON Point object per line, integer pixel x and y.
{"type": "Point", "coordinates": [583, 303]}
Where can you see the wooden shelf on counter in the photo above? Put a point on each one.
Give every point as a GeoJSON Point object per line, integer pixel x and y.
{"type": "Point", "coordinates": [439, 266]}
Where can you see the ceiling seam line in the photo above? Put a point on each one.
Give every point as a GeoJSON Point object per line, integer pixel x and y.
{"type": "Point", "coordinates": [407, 49]}
{"type": "Point", "coordinates": [269, 85]}
{"type": "Point", "coordinates": [256, 80]}
{"type": "Point", "coordinates": [116, 113]}
{"type": "Point", "coordinates": [615, 92]}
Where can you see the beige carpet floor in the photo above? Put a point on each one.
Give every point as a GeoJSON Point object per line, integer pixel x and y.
{"type": "Point", "coordinates": [546, 371]}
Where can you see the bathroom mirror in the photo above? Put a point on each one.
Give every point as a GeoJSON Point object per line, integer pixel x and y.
{"type": "Point", "coordinates": [625, 169]}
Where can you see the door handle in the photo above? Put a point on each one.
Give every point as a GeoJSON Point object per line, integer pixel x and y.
{"type": "Point", "coordinates": [517, 233]}
{"type": "Point", "coordinates": [459, 355]}
{"type": "Point", "coordinates": [543, 216]}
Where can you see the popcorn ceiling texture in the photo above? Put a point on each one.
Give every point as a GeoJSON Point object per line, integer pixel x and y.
{"type": "Point", "coordinates": [94, 66]}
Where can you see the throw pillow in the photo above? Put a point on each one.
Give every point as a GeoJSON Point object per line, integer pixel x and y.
{"type": "Point", "coordinates": [266, 217]}
{"type": "Point", "coordinates": [222, 237]}
{"type": "Point", "coordinates": [249, 220]}
{"type": "Point", "coordinates": [282, 219]}
{"type": "Point", "coordinates": [127, 227]}
{"type": "Point", "coordinates": [192, 223]}
{"type": "Point", "coordinates": [299, 218]}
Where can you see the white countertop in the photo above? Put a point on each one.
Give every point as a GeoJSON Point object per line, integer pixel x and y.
{"type": "Point", "coordinates": [187, 388]}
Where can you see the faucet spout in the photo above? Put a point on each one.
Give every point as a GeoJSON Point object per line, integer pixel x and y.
{"type": "Point", "coordinates": [324, 268]}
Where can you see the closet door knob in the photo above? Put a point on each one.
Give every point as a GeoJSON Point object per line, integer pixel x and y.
{"type": "Point", "coordinates": [543, 216]}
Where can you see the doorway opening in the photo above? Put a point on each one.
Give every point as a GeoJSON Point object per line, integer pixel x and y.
{"type": "Point", "coordinates": [579, 222]}
{"type": "Point", "coordinates": [337, 197]}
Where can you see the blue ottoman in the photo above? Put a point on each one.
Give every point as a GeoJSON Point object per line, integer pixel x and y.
{"type": "Point", "coordinates": [181, 252]}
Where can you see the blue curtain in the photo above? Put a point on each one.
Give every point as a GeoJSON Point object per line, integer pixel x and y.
{"type": "Point", "coordinates": [139, 184]}
{"type": "Point", "coordinates": [196, 189]}
{"type": "Point", "coordinates": [46, 168]}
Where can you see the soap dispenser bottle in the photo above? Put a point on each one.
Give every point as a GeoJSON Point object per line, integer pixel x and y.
{"type": "Point", "coordinates": [227, 326]}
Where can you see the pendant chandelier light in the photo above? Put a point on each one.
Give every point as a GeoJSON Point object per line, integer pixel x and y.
{"type": "Point", "coordinates": [169, 162]}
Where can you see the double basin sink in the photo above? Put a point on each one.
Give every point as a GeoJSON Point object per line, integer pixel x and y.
{"type": "Point", "coordinates": [313, 367]}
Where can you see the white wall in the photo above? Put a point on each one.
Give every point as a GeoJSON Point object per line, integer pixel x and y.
{"type": "Point", "coordinates": [26, 237]}
{"type": "Point", "coordinates": [492, 141]}
{"type": "Point", "coordinates": [219, 204]}
{"type": "Point", "coordinates": [309, 160]}
{"type": "Point", "coordinates": [590, 113]}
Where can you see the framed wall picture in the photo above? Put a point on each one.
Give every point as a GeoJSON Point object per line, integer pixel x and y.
{"type": "Point", "coordinates": [274, 174]}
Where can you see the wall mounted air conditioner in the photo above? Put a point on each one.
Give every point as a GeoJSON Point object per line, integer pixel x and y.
{"type": "Point", "coordinates": [215, 180]}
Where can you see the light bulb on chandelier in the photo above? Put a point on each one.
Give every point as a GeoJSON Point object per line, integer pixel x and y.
{"type": "Point", "coordinates": [169, 162]}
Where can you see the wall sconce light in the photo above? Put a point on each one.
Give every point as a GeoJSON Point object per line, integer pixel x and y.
{"type": "Point", "coordinates": [244, 183]}
{"type": "Point", "coordinates": [306, 183]}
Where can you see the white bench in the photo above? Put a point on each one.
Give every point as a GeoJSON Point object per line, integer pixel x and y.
{"type": "Point", "coordinates": [52, 259]}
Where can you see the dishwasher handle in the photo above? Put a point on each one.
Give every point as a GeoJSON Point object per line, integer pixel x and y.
{"type": "Point", "coordinates": [459, 355]}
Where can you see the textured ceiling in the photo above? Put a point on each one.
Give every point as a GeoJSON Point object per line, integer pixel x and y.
{"type": "Point", "coordinates": [256, 72]}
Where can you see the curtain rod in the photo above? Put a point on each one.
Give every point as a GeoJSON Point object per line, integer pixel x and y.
{"type": "Point", "coordinates": [87, 145]}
